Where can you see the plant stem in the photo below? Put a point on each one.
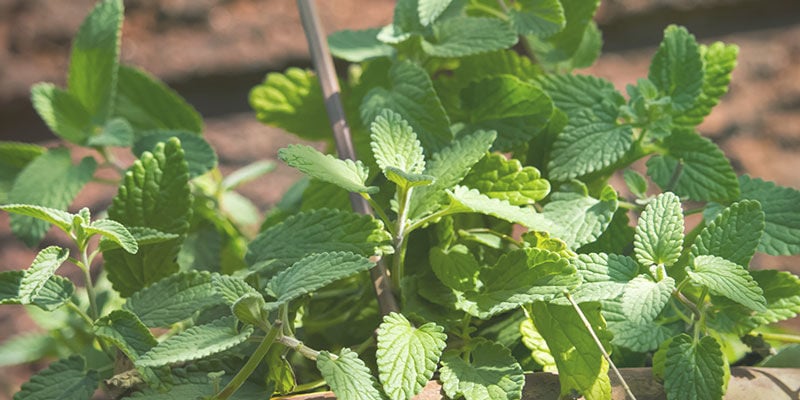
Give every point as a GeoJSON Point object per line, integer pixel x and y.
{"type": "Point", "coordinates": [400, 243]}
{"type": "Point", "coordinates": [676, 174]}
{"type": "Point", "coordinates": [301, 348]}
{"type": "Point", "coordinates": [599, 344]}
{"type": "Point", "coordinates": [780, 337]}
{"type": "Point", "coordinates": [381, 213]}
{"type": "Point", "coordinates": [323, 64]}
{"type": "Point", "coordinates": [87, 274]}
{"type": "Point", "coordinates": [74, 307]}
{"type": "Point", "coordinates": [306, 387]}
{"type": "Point", "coordinates": [628, 205]}
{"type": "Point", "coordinates": [251, 364]}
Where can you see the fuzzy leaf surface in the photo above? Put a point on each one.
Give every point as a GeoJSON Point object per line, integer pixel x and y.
{"type": "Point", "coordinates": [640, 336]}
{"type": "Point", "coordinates": [644, 299]}
{"type": "Point", "coordinates": [56, 291]}
{"type": "Point", "coordinates": [231, 288]}
{"type": "Point", "coordinates": [580, 363]}
{"type": "Point", "coordinates": [733, 235]}
{"type": "Point", "coordinates": [727, 279]}
{"type": "Point", "coordinates": [358, 46]}
{"type": "Point", "coordinates": [52, 181]}
{"type": "Point", "coordinates": [719, 61]}
{"type": "Point", "coordinates": [397, 151]}
{"type": "Point", "coordinates": [62, 112]}
{"type": "Point", "coordinates": [577, 218]}
{"type": "Point", "coordinates": [541, 18]}
{"type": "Point", "coordinates": [197, 342]}
{"type": "Point", "coordinates": [635, 183]}
{"type": "Point", "coordinates": [471, 200]}
{"type": "Point", "coordinates": [173, 299]}
{"type": "Point", "coordinates": [347, 174]}
{"type": "Point", "coordinates": [407, 356]}
{"type": "Point", "coordinates": [348, 376]}
{"type": "Point", "coordinates": [466, 36]}
{"type": "Point", "coordinates": [456, 267]}
{"type": "Point", "coordinates": [200, 156]}
{"type": "Point", "coordinates": [127, 332]}
{"type": "Point", "coordinates": [499, 178]}
{"type": "Point", "coordinates": [41, 270]}
{"type": "Point", "coordinates": [566, 43]}
{"type": "Point", "coordinates": [64, 379]}
{"type": "Point", "coordinates": [603, 276]}
{"type": "Point", "coordinates": [292, 101]}
{"type": "Point", "coordinates": [659, 234]}
{"type": "Point", "coordinates": [534, 341]}
{"type": "Point", "coordinates": [677, 68]}
{"type": "Point", "coordinates": [14, 157]}
{"type": "Point", "coordinates": [116, 232]}
{"type": "Point", "coordinates": [492, 373]}
{"type": "Point", "coordinates": [429, 10]}
{"type": "Point", "coordinates": [694, 371]}
{"type": "Point", "coordinates": [59, 218]}
{"type": "Point", "coordinates": [314, 272]}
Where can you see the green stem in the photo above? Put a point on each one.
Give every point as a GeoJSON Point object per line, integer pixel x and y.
{"type": "Point", "coordinates": [74, 307]}
{"type": "Point", "coordinates": [301, 348]}
{"type": "Point", "coordinates": [628, 205]}
{"type": "Point", "coordinates": [495, 233]}
{"type": "Point", "coordinates": [400, 243]}
{"type": "Point", "coordinates": [86, 262]}
{"type": "Point", "coordinates": [252, 363]}
{"type": "Point", "coordinates": [698, 327]}
{"type": "Point", "coordinates": [430, 218]}
{"type": "Point", "coordinates": [680, 313]}
{"type": "Point", "coordinates": [381, 213]}
{"type": "Point", "coordinates": [307, 387]}
{"type": "Point", "coordinates": [599, 344]}
{"type": "Point", "coordinates": [780, 337]}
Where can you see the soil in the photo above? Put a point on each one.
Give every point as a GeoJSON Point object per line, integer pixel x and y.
{"type": "Point", "coordinates": [214, 51]}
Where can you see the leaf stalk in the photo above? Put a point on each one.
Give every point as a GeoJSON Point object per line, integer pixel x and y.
{"type": "Point", "coordinates": [251, 364]}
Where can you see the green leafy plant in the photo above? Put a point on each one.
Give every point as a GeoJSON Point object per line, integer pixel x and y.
{"type": "Point", "coordinates": [488, 174]}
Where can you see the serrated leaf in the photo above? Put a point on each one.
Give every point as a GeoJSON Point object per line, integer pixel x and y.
{"type": "Point", "coordinates": [395, 146]}
{"type": "Point", "coordinates": [733, 235]}
{"type": "Point", "coordinates": [603, 276]}
{"type": "Point", "coordinates": [347, 376]}
{"type": "Point", "coordinates": [659, 234]}
{"type": "Point", "coordinates": [449, 166]}
{"type": "Point", "coordinates": [636, 183]}
{"type": "Point", "coordinates": [41, 270]}
{"type": "Point", "coordinates": [154, 194]}
{"type": "Point", "coordinates": [563, 45]}
{"type": "Point", "coordinates": [321, 230]}
{"type": "Point", "coordinates": [706, 173]}
{"type": "Point", "coordinates": [499, 178]}
{"type": "Point", "coordinates": [573, 94]}
{"type": "Point", "coordinates": [464, 199]}
{"type": "Point", "coordinates": [719, 60]}
{"type": "Point", "coordinates": [411, 94]}
{"type": "Point", "coordinates": [724, 278]}
{"type": "Point", "coordinates": [587, 52]}
{"type": "Point", "coordinates": [429, 10]}
{"type": "Point", "coordinates": [465, 36]}
{"type": "Point", "coordinates": [141, 235]}
{"type": "Point", "coordinates": [456, 267]}
{"type": "Point", "coordinates": [199, 155]}
{"type": "Point", "coordinates": [197, 342]}
{"type": "Point", "coordinates": [782, 292]}
{"type": "Point", "coordinates": [52, 181]}
{"type": "Point", "coordinates": [492, 373]}
{"type": "Point", "coordinates": [519, 277]}
{"type": "Point", "coordinates": [577, 218]}
{"type": "Point", "coordinates": [114, 231]}
{"type": "Point", "coordinates": [127, 332]}
{"type": "Point", "coordinates": [641, 336]}
{"type": "Point", "coordinates": [250, 309]}
{"type": "Point", "coordinates": [197, 384]}
{"type": "Point", "coordinates": [56, 291]}
{"type": "Point", "coordinates": [347, 174]}
{"type": "Point", "coordinates": [616, 238]}
{"type": "Point", "coordinates": [694, 370]}
{"type": "Point", "coordinates": [148, 104]}
{"type": "Point", "coordinates": [231, 288]}
{"type": "Point", "coordinates": [173, 299]}
{"type": "Point", "coordinates": [116, 132]}
{"type": "Point", "coordinates": [358, 46]}
{"type": "Point", "coordinates": [94, 59]}
{"type": "Point", "coordinates": [677, 68]}
{"type": "Point", "coordinates": [59, 218]}
{"type": "Point", "coordinates": [643, 299]}
{"type": "Point", "coordinates": [292, 101]}
{"type": "Point", "coordinates": [314, 272]}
{"type": "Point", "coordinates": [534, 341]}
{"type": "Point", "coordinates": [62, 112]}
{"type": "Point", "coordinates": [14, 156]}
{"type": "Point", "coordinates": [64, 379]}
{"type": "Point", "coordinates": [541, 18]}
{"type": "Point", "coordinates": [407, 356]}
{"type": "Point", "coordinates": [580, 363]}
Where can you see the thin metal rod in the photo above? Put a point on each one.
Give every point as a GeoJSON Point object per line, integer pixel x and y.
{"type": "Point", "coordinates": [323, 64]}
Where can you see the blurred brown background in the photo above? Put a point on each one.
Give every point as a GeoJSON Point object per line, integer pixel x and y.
{"type": "Point", "coordinates": [213, 51]}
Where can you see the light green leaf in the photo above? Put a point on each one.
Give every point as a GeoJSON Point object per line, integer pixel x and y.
{"type": "Point", "coordinates": [56, 291]}
{"type": "Point", "coordinates": [14, 157]}
{"type": "Point", "coordinates": [250, 309]}
{"type": "Point", "coordinates": [782, 292]}
{"type": "Point", "coordinates": [407, 356]}
{"type": "Point", "coordinates": [706, 172]}
{"type": "Point", "coordinates": [231, 288]}
{"type": "Point", "coordinates": [94, 60]}
{"type": "Point", "coordinates": [127, 332]}
{"type": "Point", "coordinates": [26, 348]}
{"type": "Point", "coordinates": [465, 36]}
{"type": "Point", "coordinates": [499, 178]}
{"type": "Point", "coordinates": [719, 60]}
{"type": "Point", "coordinates": [574, 94]}
{"type": "Point", "coordinates": [114, 231]}
{"type": "Point", "coordinates": [52, 181]}
{"type": "Point", "coordinates": [192, 383]}
{"type": "Point", "coordinates": [603, 276]}
{"type": "Point", "coordinates": [62, 112]}
{"type": "Point", "coordinates": [142, 236]}
{"type": "Point", "coordinates": [615, 239]}
{"type": "Point", "coordinates": [148, 104]}
{"type": "Point", "coordinates": [677, 68]}
{"type": "Point", "coordinates": [727, 279]}
{"type": "Point", "coordinates": [541, 18]}
{"type": "Point", "coordinates": [429, 10]}
{"type": "Point", "coordinates": [280, 373]}
{"type": "Point", "coordinates": [534, 341]}
{"type": "Point", "coordinates": [197, 342]}
{"type": "Point", "coordinates": [456, 267]}
{"type": "Point", "coordinates": [154, 194]}
{"type": "Point", "coordinates": [643, 299]}
{"type": "Point", "coordinates": [61, 219]}
{"type": "Point", "coordinates": [578, 219]}
{"type": "Point", "coordinates": [581, 366]}
{"type": "Point", "coordinates": [449, 166]}
{"type": "Point", "coordinates": [491, 373]}
{"type": "Point", "coordinates": [519, 277]}
{"type": "Point", "coordinates": [358, 46]}
{"type": "Point", "coordinates": [347, 376]}
{"type": "Point", "coordinates": [347, 174]}
{"type": "Point", "coordinates": [395, 146]}
{"type": "Point", "coordinates": [173, 299]}
{"type": "Point", "coordinates": [733, 235]}
{"type": "Point", "coordinates": [314, 272]}
{"type": "Point", "coordinates": [641, 336]}
{"type": "Point", "coordinates": [659, 234]}
{"type": "Point", "coordinates": [292, 101]}
{"type": "Point", "coordinates": [199, 155]}
{"type": "Point", "coordinates": [64, 379]}
{"type": "Point", "coordinates": [587, 52]}
{"type": "Point", "coordinates": [116, 132]}
{"type": "Point", "coordinates": [41, 270]}
{"type": "Point", "coordinates": [464, 199]}
{"type": "Point", "coordinates": [246, 174]}
{"type": "Point", "coordinates": [635, 183]}
{"type": "Point", "coordinates": [318, 231]}
{"type": "Point", "coordinates": [563, 45]}
{"type": "Point", "coordinates": [411, 94]}
{"type": "Point", "coordinates": [694, 370]}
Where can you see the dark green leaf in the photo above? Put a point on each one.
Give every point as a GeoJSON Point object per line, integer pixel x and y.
{"type": "Point", "coordinates": [694, 370]}
{"type": "Point", "coordinates": [41, 270]}
{"type": "Point", "coordinates": [347, 376]}
{"type": "Point", "coordinates": [465, 36]}
{"type": "Point", "coordinates": [733, 235]}
{"type": "Point", "coordinates": [563, 45]}
{"type": "Point", "coordinates": [127, 332]}
{"type": "Point", "coordinates": [14, 156]}
{"type": "Point", "coordinates": [719, 60]}
{"type": "Point", "coordinates": [358, 46]}
{"type": "Point", "coordinates": [314, 272]}
{"type": "Point", "coordinates": [64, 379]}
{"type": "Point", "coordinates": [62, 112]}
{"type": "Point", "coordinates": [492, 373]}
{"type": "Point", "coordinates": [56, 291]}
{"type": "Point", "coordinates": [199, 155]}
{"type": "Point", "coordinates": [456, 267]}
{"type": "Point", "coordinates": [541, 18]}
{"type": "Point", "coordinates": [677, 68]}
{"type": "Point", "coordinates": [173, 299]}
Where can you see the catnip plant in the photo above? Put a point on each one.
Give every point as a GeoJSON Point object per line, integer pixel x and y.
{"type": "Point", "coordinates": [486, 161]}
